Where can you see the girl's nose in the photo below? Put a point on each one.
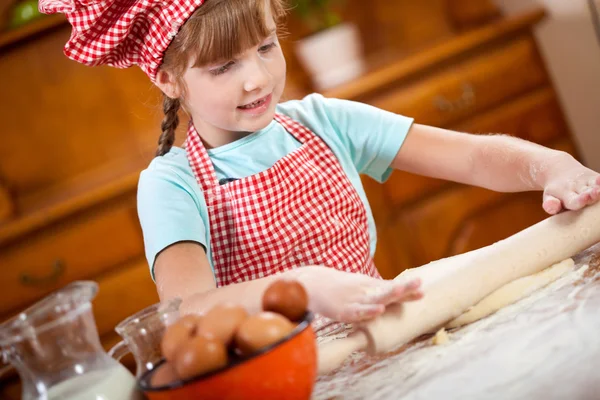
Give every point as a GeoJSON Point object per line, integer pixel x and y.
{"type": "Point", "coordinates": [257, 76]}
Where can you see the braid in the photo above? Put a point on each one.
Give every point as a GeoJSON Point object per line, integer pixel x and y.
{"type": "Point", "coordinates": [168, 125]}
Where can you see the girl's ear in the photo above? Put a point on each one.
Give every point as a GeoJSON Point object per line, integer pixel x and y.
{"type": "Point", "coordinates": [167, 84]}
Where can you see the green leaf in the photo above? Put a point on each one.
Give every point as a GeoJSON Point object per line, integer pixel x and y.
{"type": "Point", "coordinates": [317, 14]}
{"type": "Point", "coordinates": [302, 8]}
{"type": "Point", "coordinates": [332, 19]}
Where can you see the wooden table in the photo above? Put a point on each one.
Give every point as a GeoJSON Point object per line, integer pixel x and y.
{"type": "Point", "coordinates": [547, 346]}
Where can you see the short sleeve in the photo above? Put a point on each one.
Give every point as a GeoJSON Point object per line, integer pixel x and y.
{"type": "Point", "coordinates": [168, 213]}
{"type": "Point", "coordinates": [372, 136]}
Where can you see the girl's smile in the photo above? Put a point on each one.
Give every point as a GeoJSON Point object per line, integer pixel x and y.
{"type": "Point", "coordinates": [257, 107]}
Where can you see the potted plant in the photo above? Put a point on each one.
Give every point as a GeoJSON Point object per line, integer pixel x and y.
{"type": "Point", "coordinates": [16, 13]}
{"type": "Point", "coordinates": [332, 52]}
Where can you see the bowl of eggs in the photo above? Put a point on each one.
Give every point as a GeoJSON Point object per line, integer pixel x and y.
{"type": "Point", "coordinates": [226, 353]}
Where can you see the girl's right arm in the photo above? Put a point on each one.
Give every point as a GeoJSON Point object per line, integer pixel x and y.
{"type": "Point", "coordinates": [182, 270]}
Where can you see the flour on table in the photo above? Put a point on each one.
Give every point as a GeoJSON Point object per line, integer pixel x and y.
{"type": "Point", "coordinates": [512, 292]}
{"type": "Point", "coordinates": [474, 350]}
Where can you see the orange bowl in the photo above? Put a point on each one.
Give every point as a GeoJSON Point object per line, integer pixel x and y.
{"type": "Point", "coordinates": [286, 369]}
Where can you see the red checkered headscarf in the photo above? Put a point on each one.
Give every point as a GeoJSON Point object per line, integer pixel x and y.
{"type": "Point", "coordinates": [122, 33]}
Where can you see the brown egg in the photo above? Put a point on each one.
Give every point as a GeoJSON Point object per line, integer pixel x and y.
{"type": "Point", "coordinates": [164, 375]}
{"type": "Point", "coordinates": [199, 355]}
{"type": "Point", "coordinates": [287, 298]}
{"type": "Point", "coordinates": [182, 330]}
{"type": "Point", "coordinates": [222, 321]}
{"type": "Point", "coordinates": [261, 330]}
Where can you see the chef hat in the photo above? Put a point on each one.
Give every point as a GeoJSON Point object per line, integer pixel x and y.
{"type": "Point", "coordinates": [122, 33]}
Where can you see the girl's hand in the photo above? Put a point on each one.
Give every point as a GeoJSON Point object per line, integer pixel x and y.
{"type": "Point", "coordinates": [351, 297]}
{"type": "Point", "coordinates": [570, 187]}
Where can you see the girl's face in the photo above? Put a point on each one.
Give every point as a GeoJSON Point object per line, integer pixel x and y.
{"type": "Point", "coordinates": [233, 97]}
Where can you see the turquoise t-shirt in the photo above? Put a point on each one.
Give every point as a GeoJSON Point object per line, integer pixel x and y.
{"type": "Point", "coordinates": [365, 139]}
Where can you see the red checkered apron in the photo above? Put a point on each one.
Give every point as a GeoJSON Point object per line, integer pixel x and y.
{"type": "Point", "coordinates": [302, 211]}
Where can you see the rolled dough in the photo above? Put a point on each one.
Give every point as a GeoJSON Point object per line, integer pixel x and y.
{"type": "Point", "coordinates": [513, 292]}
{"type": "Point", "coordinates": [452, 285]}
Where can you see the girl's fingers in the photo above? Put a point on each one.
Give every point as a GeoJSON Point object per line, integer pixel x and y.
{"type": "Point", "coordinates": [551, 204]}
{"type": "Point", "coordinates": [594, 193]}
{"type": "Point", "coordinates": [412, 296]}
{"type": "Point", "coordinates": [379, 294]}
{"type": "Point", "coordinates": [413, 284]}
{"type": "Point", "coordinates": [576, 201]}
{"type": "Point", "coordinates": [392, 292]}
{"type": "Point", "coordinates": [359, 312]}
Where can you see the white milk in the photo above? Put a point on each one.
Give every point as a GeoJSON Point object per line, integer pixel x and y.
{"type": "Point", "coordinates": [113, 384]}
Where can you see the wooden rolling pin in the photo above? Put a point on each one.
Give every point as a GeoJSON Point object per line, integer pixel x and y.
{"type": "Point", "coordinates": [452, 285]}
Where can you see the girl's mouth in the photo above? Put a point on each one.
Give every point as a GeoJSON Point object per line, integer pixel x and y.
{"type": "Point", "coordinates": [259, 106]}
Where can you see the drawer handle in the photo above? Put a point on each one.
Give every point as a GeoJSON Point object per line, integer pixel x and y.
{"type": "Point", "coordinates": [466, 100]}
{"type": "Point", "coordinates": [58, 268]}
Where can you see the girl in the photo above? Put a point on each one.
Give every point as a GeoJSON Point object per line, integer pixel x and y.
{"type": "Point", "coordinates": [260, 189]}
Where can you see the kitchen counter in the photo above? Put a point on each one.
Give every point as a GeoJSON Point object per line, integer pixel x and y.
{"type": "Point", "coordinates": [546, 346]}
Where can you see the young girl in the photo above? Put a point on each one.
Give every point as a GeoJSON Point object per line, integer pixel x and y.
{"type": "Point", "coordinates": [262, 190]}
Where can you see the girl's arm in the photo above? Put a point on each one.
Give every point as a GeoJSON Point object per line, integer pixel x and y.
{"type": "Point", "coordinates": [182, 270]}
{"type": "Point", "coordinates": [501, 163]}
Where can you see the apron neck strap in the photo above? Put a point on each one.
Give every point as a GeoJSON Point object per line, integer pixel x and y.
{"type": "Point", "coordinates": [202, 165]}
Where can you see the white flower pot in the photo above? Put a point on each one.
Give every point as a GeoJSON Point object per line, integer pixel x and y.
{"type": "Point", "coordinates": [332, 56]}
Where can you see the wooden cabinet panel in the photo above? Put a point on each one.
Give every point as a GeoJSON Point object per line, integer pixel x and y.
{"type": "Point", "coordinates": [467, 218]}
{"type": "Point", "coordinates": [497, 221]}
{"type": "Point", "coordinates": [403, 187]}
{"type": "Point", "coordinates": [64, 119]}
{"type": "Point", "coordinates": [393, 254]}
{"type": "Point", "coordinates": [79, 248]}
{"type": "Point", "coordinates": [123, 293]}
{"type": "Point", "coordinates": [6, 204]}
{"type": "Point", "coordinates": [535, 117]}
{"type": "Point", "coordinates": [469, 86]}
{"type": "Point", "coordinates": [432, 223]}
{"type": "Point", "coordinates": [408, 24]}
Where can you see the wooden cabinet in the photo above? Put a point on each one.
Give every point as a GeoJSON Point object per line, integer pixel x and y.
{"type": "Point", "coordinates": [466, 86]}
{"type": "Point", "coordinates": [74, 142]}
{"type": "Point", "coordinates": [81, 247]}
{"type": "Point", "coordinates": [490, 80]}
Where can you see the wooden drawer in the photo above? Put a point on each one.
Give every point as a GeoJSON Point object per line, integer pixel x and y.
{"type": "Point", "coordinates": [469, 86]}
{"type": "Point", "coordinates": [122, 293]}
{"type": "Point", "coordinates": [534, 117]}
{"type": "Point", "coordinates": [465, 218]}
{"type": "Point", "coordinates": [79, 248]}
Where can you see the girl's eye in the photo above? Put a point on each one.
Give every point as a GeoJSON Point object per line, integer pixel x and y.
{"type": "Point", "coordinates": [223, 69]}
{"type": "Point", "coordinates": [267, 47]}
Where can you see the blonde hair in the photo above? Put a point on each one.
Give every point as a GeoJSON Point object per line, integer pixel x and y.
{"type": "Point", "coordinates": [217, 31]}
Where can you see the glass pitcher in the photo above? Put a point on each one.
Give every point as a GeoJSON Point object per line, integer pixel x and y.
{"type": "Point", "coordinates": [142, 333]}
{"type": "Point", "coordinates": [55, 348]}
